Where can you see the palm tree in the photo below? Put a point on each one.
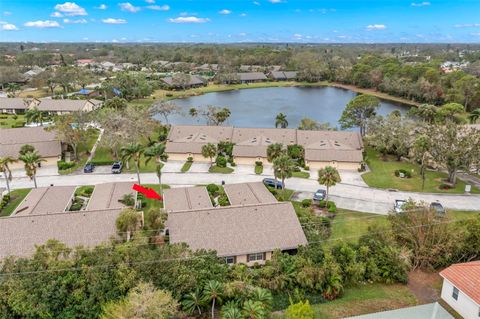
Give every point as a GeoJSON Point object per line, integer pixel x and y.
{"type": "Point", "coordinates": [193, 112]}
{"type": "Point", "coordinates": [474, 116]}
{"type": "Point", "coordinates": [283, 167]}
{"type": "Point", "coordinates": [328, 177]}
{"type": "Point", "coordinates": [253, 310]}
{"type": "Point", "coordinates": [34, 115]}
{"type": "Point", "coordinates": [133, 151]}
{"type": "Point", "coordinates": [281, 120]}
{"type": "Point", "coordinates": [157, 152]}
{"type": "Point", "coordinates": [193, 302]}
{"type": "Point", "coordinates": [274, 151]}
{"type": "Point", "coordinates": [231, 311]}
{"type": "Point", "coordinates": [31, 160]}
{"type": "Point", "coordinates": [263, 296]}
{"type": "Point", "coordinates": [213, 293]}
{"type": "Point", "coordinates": [5, 169]}
{"type": "Point", "coordinates": [209, 151]}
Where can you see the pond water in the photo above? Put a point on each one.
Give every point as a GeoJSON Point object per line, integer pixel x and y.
{"type": "Point", "coordinates": [259, 107]}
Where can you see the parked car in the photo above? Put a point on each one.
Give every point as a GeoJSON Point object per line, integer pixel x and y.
{"type": "Point", "coordinates": [117, 168]}
{"type": "Point", "coordinates": [271, 182]}
{"type": "Point", "coordinates": [88, 168]}
{"type": "Point", "coordinates": [398, 206]}
{"type": "Point", "coordinates": [438, 208]}
{"type": "Point", "coordinates": [319, 195]}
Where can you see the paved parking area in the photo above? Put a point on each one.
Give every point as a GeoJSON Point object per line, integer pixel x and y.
{"type": "Point", "coordinates": [199, 167]}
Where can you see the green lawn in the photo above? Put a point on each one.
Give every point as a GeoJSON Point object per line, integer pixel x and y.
{"type": "Point", "coordinates": [153, 203]}
{"type": "Point", "coordinates": [186, 167]}
{"type": "Point", "coordinates": [103, 156]}
{"type": "Point", "coordinates": [10, 122]}
{"type": "Point", "coordinates": [258, 169]}
{"type": "Point", "coordinates": [16, 197]}
{"type": "Point", "coordinates": [351, 225]}
{"type": "Point", "coordinates": [382, 175]}
{"type": "Point", "coordinates": [365, 299]}
{"type": "Point", "coordinates": [221, 170]}
{"type": "Point", "coordinates": [301, 174]}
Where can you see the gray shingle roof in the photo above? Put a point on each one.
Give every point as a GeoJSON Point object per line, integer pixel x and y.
{"type": "Point", "coordinates": [252, 76]}
{"type": "Point", "coordinates": [65, 105]}
{"type": "Point", "coordinates": [194, 80]}
{"type": "Point", "coordinates": [238, 230]}
{"type": "Point", "coordinates": [248, 193]}
{"type": "Point", "coordinates": [107, 196]}
{"type": "Point", "coordinates": [21, 234]}
{"type": "Point", "coordinates": [186, 198]}
{"type": "Point", "coordinates": [45, 142]}
{"type": "Point", "coordinates": [45, 200]}
{"type": "Point", "coordinates": [14, 103]}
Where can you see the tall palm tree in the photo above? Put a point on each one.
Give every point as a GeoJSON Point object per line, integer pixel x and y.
{"type": "Point", "coordinates": [213, 292]}
{"type": "Point", "coordinates": [274, 151]}
{"type": "Point", "coordinates": [157, 152]}
{"type": "Point", "coordinates": [281, 120]}
{"type": "Point", "coordinates": [133, 151]}
{"type": "Point", "coordinates": [253, 310]}
{"type": "Point", "coordinates": [328, 177]}
{"type": "Point", "coordinates": [31, 161]}
{"type": "Point", "coordinates": [5, 169]}
{"type": "Point", "coordinates": [474, 116]}
{"type": "Point", "coordinates": [284, 167]}
{"type": "Point", "coordinates": [209, 151]}
{"type": "Point", "coordinates": [193, 302]}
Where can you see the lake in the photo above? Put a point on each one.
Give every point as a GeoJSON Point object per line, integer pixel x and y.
{"type": "Point", "coordinates": [259, 107]}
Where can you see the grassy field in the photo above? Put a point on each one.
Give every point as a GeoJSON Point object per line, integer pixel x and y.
{"type": "Point", "coordinates": [16, 197]}
{"type": "Point", "coordinates": [301, 174]}
{"type": "Point", "coordinates": [382, 175]}
{"type": "Point", "coordinates": [351, 225]}
{"type": "Point", "coordinates": [365, 299]}
{"type": "Point", "coordinates": [153, 203]}
{"type": "Point", "coordinates": [221, 170]}
{"type": "Point", "coordinates": [10, 121]}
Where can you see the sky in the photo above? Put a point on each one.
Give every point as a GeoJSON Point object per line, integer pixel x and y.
{"type": "Point", "coordinates": [307, 21]}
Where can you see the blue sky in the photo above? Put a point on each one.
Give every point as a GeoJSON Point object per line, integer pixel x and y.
{"type": "Point", "coordinates": [240, 21]}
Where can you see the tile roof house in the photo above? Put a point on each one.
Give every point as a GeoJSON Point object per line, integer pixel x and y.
{"type": "Point", "coordinates": [461, 288]}
{"type": "Point", "coordinates": [46, 200]}
{"type": "Point", "coordinates": [186, 198]}
{"type": "Point", "coordinates": [45, 142]}
{"type": "Point", "coordinates": [341, 149]}
{"type": "Point", "coordinates": [52, 106]}
{"type": "Point", "coordinates": [248, 194]}
{"type": "Point", "coordinates": [107, 196]}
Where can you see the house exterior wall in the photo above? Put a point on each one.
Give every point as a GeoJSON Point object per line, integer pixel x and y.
{"type": "Point", "coordinates": [465, 306]}
{"type": "Point", "coordinates": [338, 165]}
{"type": "Point", "coordinates": [183, 157]}
{"type": "Point", "coordinates": [49, 161]}
{"type": "Point", "coordinates": [242, 259]}
{"type": "Point", "coordinates": [249, 160]}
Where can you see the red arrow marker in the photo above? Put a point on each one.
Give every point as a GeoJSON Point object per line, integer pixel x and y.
{"type": "Point", "coordinates": [148, 192]}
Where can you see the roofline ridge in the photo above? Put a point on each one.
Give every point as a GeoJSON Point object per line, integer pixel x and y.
{"type": "Point", "coordinates": [227, 207]}
{"type": "Point", "coordinates": [61, 213]}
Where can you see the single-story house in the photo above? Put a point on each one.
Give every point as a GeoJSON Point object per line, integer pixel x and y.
{"type": "Point", "coordinates": [194, 81]}
{"type": "Point", "coordinates": [20, 234]}
{"type": "Point", "coordinates": [427, 311]}
{"type": "Point", "coordinates": [461, 288]}
{"type": "Point", "coordinates": [283, 75]}
{"type": "Point", "coordinates": [65, 106]}
{"type": "Point", "coordinates": [245, 234]}
{"type": "Point", "coordinates": [107, 195]}
{"type": "Point", "coordinates": [186, 198]}
{"type": "Point", "coordinates": [248, 194]}
{"type": "Point", "coordinates": [14, 105]}
{"type": "Point", "coordinates": [184, 141]}
{"type": "Point", "coordinates": [340, 149]}
{"type": "Point", "coordinates": [46, 200]}
{"type": "Point", "coordinates": [45, 142]}
{"type": "Point", "coordinates": [251, 77]}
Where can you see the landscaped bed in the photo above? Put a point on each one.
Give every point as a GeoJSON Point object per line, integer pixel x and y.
{"type": "Point", "coordinates": [382, 175]}
{"type": "Point", "coordinates": [220, 170]}
{"type": "Point", "coordinates": [16, 197]}
{"type": "Point", "coordinates": [186, 166]}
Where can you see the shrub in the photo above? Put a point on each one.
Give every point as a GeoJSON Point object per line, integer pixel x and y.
{"type": "Point", "coordinates": [189, 159]}
{"type": "Point", "coordinates": [62, 165]}
{"type": "Point", "coordinates": [223, 200]}
{"type": "Point", "coordinates": [221, 161]}
{"type": "Point", "coordinates": [406, 174]}
{"type": "Point", "coordinates": [306, 167]}
{"type": "Point", "coordinates": [259, 163]}
{"type": "Point", "coordinates": [15, 116]}
{"type": "Point", "coordinates": [212, 189]}
{"type": "Point", "coordinates": [297, 169]}
{"type": "Point", "coordinates": [300, 310]}
{"type": "Point", "coordinates": [127, 200]}
{"type": "Point", "coordinates": [322, 203]}
{"type": "Point", "coordinates": [4, 202]}
{"type": "Point", "coordinates": [233, 164]}
{"type": "Point", "coordinates": [306, 203]}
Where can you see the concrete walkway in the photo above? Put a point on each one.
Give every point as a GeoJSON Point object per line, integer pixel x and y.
{"type": "Point", "coordinates": [347, 196]}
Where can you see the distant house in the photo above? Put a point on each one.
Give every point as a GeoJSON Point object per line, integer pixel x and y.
{"type": "Point", "coordinates": [461, 288]}
{"type": "Point", "coordinates": [251, 77]}
{"type": "Point", "coordinates": [46, 200]}
{"type": "Point", "coordinates": [14, 105]}
{"type": "Point", "coordinates": [50, 106]}
{"type": "Point", "coordinates": [283, 75]}
{"type": "Point", "coordinates": [184, 81]}
{"type": "Point", "coordinates": [84, 62]}
{"type": "Point", "coordinates": [248, 231]}
{"type": "Point", "coordinates": [339, 149]}
{"type": "Point", "coordinates": [45, 142]}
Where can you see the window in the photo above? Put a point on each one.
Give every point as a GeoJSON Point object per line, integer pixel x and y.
{"type": "Point", "coordinates": [255, 257]}
{"type": "Point", "coordinates": [230, 260]}
{"type": "Point", "coordinates": [455, 293]}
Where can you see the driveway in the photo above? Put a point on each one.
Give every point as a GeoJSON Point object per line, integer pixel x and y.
{"type": "Point", "coordinates": [172, 167]}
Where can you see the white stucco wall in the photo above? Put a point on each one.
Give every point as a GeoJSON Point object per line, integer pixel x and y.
{"type": "Point", "coordinates": [465, 306]}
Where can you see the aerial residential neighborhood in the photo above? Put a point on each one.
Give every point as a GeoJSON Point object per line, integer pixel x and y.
{"type": "Point", "coordinates": [240, 160]}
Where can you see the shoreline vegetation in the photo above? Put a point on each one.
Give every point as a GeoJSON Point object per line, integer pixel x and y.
{"type": "Point", "coordinates": [161, 94]}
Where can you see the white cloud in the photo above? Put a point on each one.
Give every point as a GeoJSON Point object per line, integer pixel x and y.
{"type": "Point", "coordinates": [256, 3]}
{"type": "Point", "coordinates": [102, 7]}
{"type": "Point", "coordinates": [71, 9]}
{"type": "Point", "coordinates": [188, 20]}
{"type": "Point", "coordinates": [150, 1]}
{"type": "Point", "coordinates": [9, 27]}
{"type": "Point", "coordinates": [243, 14]}
{"type": "Point", "coordinates": [78, 21]}
{"type": "Point", "coordinates": [42, 24]}
{"type": "Point", "coordinates": [468, 25]}
{"type": "Point", "coordinates": [242, 34]}
{"type": "Point", "coordinates": [127, 6]}
{"type": "Point", "coordinates": [114, 21]}
{"type": "Point", "coordinates": [84, 39]}
{"type": "Point", "coordinates": [275, 1]}
{"type": "Point", "coordinates": [225, 11]}
{"type": "Point", "coordinates": [420, 4]}
{"type": "Point", "coordinates": [159, 8]}
{"type": "Point", "coordinates": [7, 13]}
{"type": "Point", "coordinates": [56, 14]}
{"type": "Point", "coordinates": [297, 36]}
{"type": "Point", "coordinates": [372, 27]}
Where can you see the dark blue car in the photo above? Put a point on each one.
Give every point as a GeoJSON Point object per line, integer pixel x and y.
{"type": "Point", "coordinates": [271, 183]}
{"type": "Point", "coordinates": [89, 168]}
